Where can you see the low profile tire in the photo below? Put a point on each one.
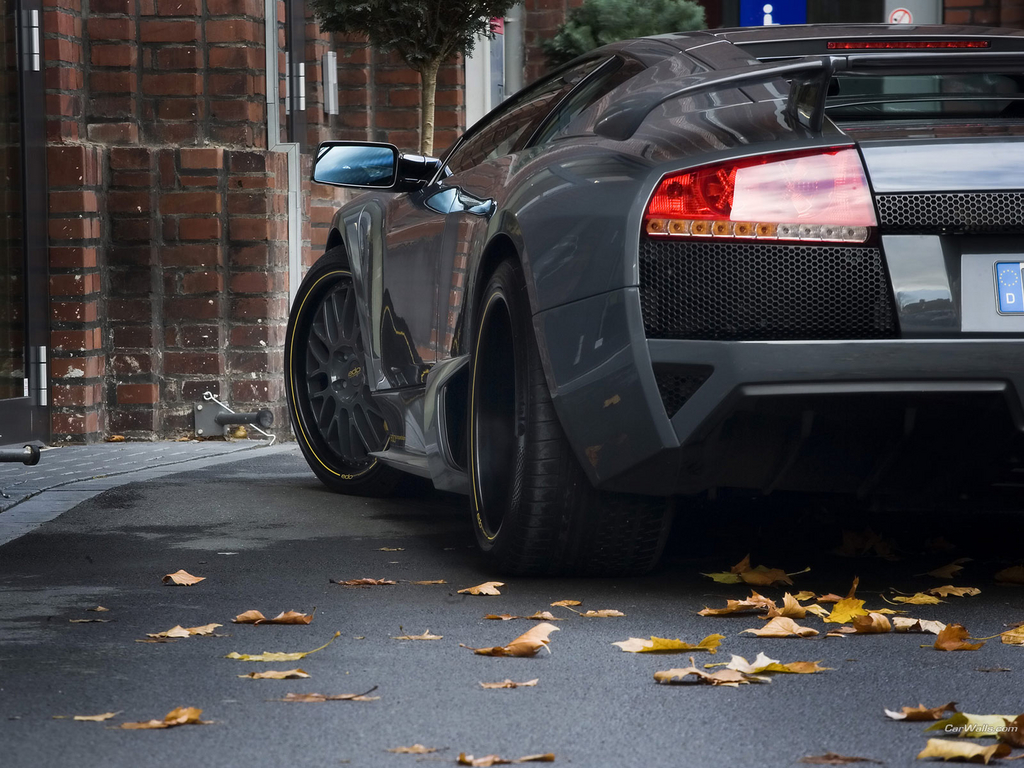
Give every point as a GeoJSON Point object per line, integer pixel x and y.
{"type": "Point", "coordinates": [533, 508]}
{"type": "Point", "coordinates": [335, 420]}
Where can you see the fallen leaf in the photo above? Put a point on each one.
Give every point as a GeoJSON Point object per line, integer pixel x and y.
{"type": "Point", "coordinates": [845, 610]}
{"type": "Point", "coordinates": [872, 624]}
{"type": "Point", "coordinates": [95, 718]}
{"type": "Point", "coordinates": [921, 713]}
{"type": "Point", "coordinates": [318, 698]}
{"type": "Point", "coordinates": [755, 602]}
{"type": "Point", "coordinates": [948, 571]}
{"type": "Point", "coordinates": [765, 577]}
{"type": "Point", "coordinates": [950, 591]}
{"type": "Point", "coordinates": [501, 616]}
{"type": "Point", "coordinates": [275, 656]}
{"type": "Point", "coordinates": [288, 617]}
{"type": "Point", "coordinates": [178, 716]}
{"type": "Point", "coordinates": [158, 640]}
{"type": "Point", "coordinates": [830, 598]}
{"type": "Point", "coordinates": [791, 609]}
{"type": "Point", "coordinates": [1013, 636]}
{"type": "Point", "coordinates": [831, 758]}
{"type": "Point", "coordinates": [527, 644]}
{"type": "Point", "coordinates": [804, 596]}
{"type": "Point", "coordinates": [764, 664]}
{"type": "Point", "coordinates": [1013, 732]}
{"type": "Point", "coordinates": [415, 749]}
{"type": "Point", "coordinates": [817, 610]}
{"type": "Point", "coordinates": [1012, 575]}
{"type": "Point", "coordinates": [602, 614]}
{"type": "Point", "coordinates": [365, 582]}
{"type": "Point", "coordinates": [954, 638]}
{"type": "Point", "coordinates": [115, 439]}
{"type": "Point", "coordinates": [90, 621]}
{"type": "Point", "coordinates": [427, 583]}
{"type": "Point", "coordinates": [98, 609]}
{"type": "Point", "coordinates": [391, 549]}
{"type": "Point", "coordinates": [487, 588]}
{"type": "Point", "coordinates": [425, 636]}
{"type": "Point", "coordinates": [727, 677]}
{"type": "Point", "coordinates": [906, 624]}
{"type": "Point", "coordinates": [182, 579]}
{"type": "Point", "coordinates": [782, 627]}
{"type": "Point", "coordinates": [858, 544]}
{"type": "Point", "coordinates": [949, 749]}
{"type": "Point", "coordinates": [288, 674]}
{"type": "Point", "coordinates": [919, 599]}
{"type": "Point", "coordinates": [180, 631]}
{"type": "Point", "coordinates": [993, 669]}
{"type": "Point", "coordinates": [566, 603]}
{"type": "Point", "coordinates": [489, 760]}
{"type": "Point", "coordinates": [664, 645]}
{"type": "Point", "coordinates": [741, 566]}
{"type": "Point", "coordinates": [509, 684]}
{"type": "Point", "coordinates": [724, 578]}
{"type": "Point", "coordinates": [965, 725]}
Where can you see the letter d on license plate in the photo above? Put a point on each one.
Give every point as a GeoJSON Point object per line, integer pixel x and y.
{"type": "Point", "coordinates": [1009, 287]}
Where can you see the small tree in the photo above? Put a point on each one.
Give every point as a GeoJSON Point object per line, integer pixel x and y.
{"type": "Point", "coordinates": [599, 22]}
{"type": "Point", "coordinates": [425, 33]}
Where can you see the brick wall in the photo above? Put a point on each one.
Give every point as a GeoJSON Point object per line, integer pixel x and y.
{"type": "Point", "coordinates": [996, 13]}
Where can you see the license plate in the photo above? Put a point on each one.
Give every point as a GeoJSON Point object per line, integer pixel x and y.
{"type": "Point", "coordinates": [1010, 287]}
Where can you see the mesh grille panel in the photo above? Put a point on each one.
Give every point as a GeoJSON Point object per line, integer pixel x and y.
{"type": "Point", "coordinates": [677, 385]}
{"type": "Point", "coordinates": [970, 212]}
{"type": "Point", "coordinates": [750, 291]}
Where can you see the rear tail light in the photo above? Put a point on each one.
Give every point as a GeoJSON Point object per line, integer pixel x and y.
{"type": "Point", "coordinates": [903, 45]}
{"type": "Point", "coordinates": [819, 195]}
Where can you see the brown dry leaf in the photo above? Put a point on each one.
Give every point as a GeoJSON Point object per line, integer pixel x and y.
{"type": "Point", "coordinates": [566, 603]}
{"type": "Point", "coordinates": [950, 591]}
{"type": "Point", "coordinates": [415, 749]}
{"type": "Point", "coordinates": [665, 645]}
{"type": "Point", "coordinates": [1012, 575]}
{"type": "Point", "coordinates": [365, 582]}
{"type": "Point", "coordinates": [919, 599]}
{"type": "Point", "coordinates": [948, 571]}
{"type": "Point", "coordinates": [606, 613]}
{"type": "Point", "coordinates": [764, 664]}
{"type": "Point", "coordinates": [318, 698]}
{"type": "Point", "coordinates": [501, 616]}
{"type": "Point", "coordinates": [89, 621]}
{"type": "Point", "coordinates": [277, 656]}
{"type": "Point", "coordinates": [510, 684]}
{"type": "Point", "coordinates": [830, 598]}
{"type": "Point", "coordinates": [782, 627]}
{"type": "Point", "coordinates": [115, 439]}
{"type": "Point", "coordinates": [906, 624]}
{"type": "Point", "coordinates": [755, 602]}
{"type": "Point", "coordinates": [765, 577]}
{"type": "Point", "coordinates": [921, 713]}
{"type": "Point", "coordinates": [179, 631]}
{"type": "Point", "coordinates": [288, 674]}
{"type": "Point", "coordinates": [803, 596]}
{"type": "Point", "coordinates": [487, 588]}
{"type": "Point", "coordinates": [831, 758]}
{"type": "Point", "coordinates": [428, 583]}
{"type": "Point", "coordinates": [791, 609]}
{"type": "Point", "coordinates": [872, 624]}
{"type": "Point", "coordinates": [1013, 733]}
{"type": "Point", "coordinates": [1013, 636]}
{"type": "Point", "coordinates": [727, 677]}
{"type": "Point", "coordinates": [489, 760]}
{"type": "Point", "coordinates": [950, 749]}
{"type": "Point", "coordinates": [954, 638]}
{"type": "Point", "coordinates": [178, 716]}
{"type": "Point", "coordinates": [287, 617]}
{"type": "Point", "coordinates": [845, 610]}
{"type": "Point", "coordinates": [95, 718]}
{"type": "Point", "coordinates": [527, 644]}
{"type": "Point", "coordinates": [425, 636]}
{"type": "Point", "coordinates": [544, 616]}
{"type": "Point", "coordinates": [98, 609]}
{"type": "Point", "coordinates": [182, 579]}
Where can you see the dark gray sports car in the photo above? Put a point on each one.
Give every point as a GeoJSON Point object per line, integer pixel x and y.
{"type": "Point", "coordinates": [783, 258]}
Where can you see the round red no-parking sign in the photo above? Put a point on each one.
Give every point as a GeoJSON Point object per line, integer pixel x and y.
{"type": "Point", "coordinates": [901, 16]}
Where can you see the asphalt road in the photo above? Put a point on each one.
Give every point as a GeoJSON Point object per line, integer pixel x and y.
{"type": "Point", "coordinates": [593, 706]}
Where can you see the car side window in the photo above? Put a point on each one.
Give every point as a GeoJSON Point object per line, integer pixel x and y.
{"type": "Point", "coordinates": [608, 77]}
{"type": "Point", "coordinates": [517, 120]}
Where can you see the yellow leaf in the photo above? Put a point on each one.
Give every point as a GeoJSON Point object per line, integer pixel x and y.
{"type": "Point", "coordinates": [764, 664]}
{"type": "Point", "coordinates": [115, 439]}
{"type": "Point", "coordinates": [954, 638]}
{"type": "Point", "coordinates": [425, 636]}
{"type": "Point", "coordinates": [1012, 575]}
{"type": "Point", "coordinates": [275, 656]}
{"type": "Point", "coordinates": [804, 596]}
{"type": "Point", "coordinates": [950, 591]}
{"type": "Point", "coordinates": [288, 674]}
{"type": "Point", "coordinates": [782, 627]}
{"type": "Point", "coordinates": [602, 614]}
{"type": "Point", "coordinates": [527, 644]}
{"type": "Point", "coordinates": [965, 725]}
{"type": "Point", "coordinates": [415, 749]}
{"type": "Point", "coordinates": [948, 749]}
{"type": "Point", "coordinates": [921, 713]}
{"type": "Point", "coordinates": [365, 582]}
{"type": "Point", "coordinates": [319, 698]}
{"type": "Point", "coordinates": [487, 588]}
{"type": "Point", "coordinates": [427, 583]}
{"type": "Point", "coordinates": [905, 624]}
{"type": "Point", "coordinates": [182, 579]}
{"type": "Point", "coordinates": [872, 624]}
{"type": "Point", "coordinates": [845, 610]}
{"type": "Point", "coordinates": [919, 599]}
{"type": "Point", "coordinates": [724, 578]}
{"type": "Point", "coordinates": [791, 609]}
{"type": "Point", "coordinates": [179, 716]}
{"type": "Point", "coordinates": [1013, 636]}
{"type": "Point", "coordinates": [664, 645]}
{"type": "Point", "coordinates": [509, 684]}
{"type": "Point", "coordinates": [95, 718]}
{"type": "Point", "coordinates": [817, 610]}
{"type": "Point", "coordinates": [566, 603]}
{"type": "Point", "coordinates": [727, 677]}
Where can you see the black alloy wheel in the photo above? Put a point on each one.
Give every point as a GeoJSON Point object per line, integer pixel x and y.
{"type": "Point", "coordinates": [335, 419]}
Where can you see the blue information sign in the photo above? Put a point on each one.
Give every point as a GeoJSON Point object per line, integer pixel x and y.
{"type": "Point", "coordinates": [1008, 279]}
{"type": "Point", "coordinates": [764, 13]}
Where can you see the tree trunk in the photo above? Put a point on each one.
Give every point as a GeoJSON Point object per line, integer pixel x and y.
{"type": "Point", "coordinates": [429, 93]}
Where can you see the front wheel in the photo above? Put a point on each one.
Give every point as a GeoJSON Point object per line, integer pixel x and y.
{"type": "Point", "coordinates": [533, 508]}
{"type": "Point", "coordinates": [335, 420]}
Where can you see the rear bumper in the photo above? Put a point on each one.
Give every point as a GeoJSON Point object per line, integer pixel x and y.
{"type": "Point", "coordinates": [854, 416]}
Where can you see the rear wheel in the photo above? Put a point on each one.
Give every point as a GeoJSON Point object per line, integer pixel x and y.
{"type": "Point", "coordinates": [533, 508]}
{"type": "Point", "coordinates": [335, 420]}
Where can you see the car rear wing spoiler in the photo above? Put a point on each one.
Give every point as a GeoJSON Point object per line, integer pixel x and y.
{"type": "Point", "coordinates": [810, 78]}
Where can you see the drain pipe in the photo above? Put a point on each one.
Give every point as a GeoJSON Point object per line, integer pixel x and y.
{"type": "Point", "coordinates": [290, 148]}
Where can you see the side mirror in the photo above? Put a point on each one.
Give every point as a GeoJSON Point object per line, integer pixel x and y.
{"type": "Point", "coordinates": [371, 165]}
